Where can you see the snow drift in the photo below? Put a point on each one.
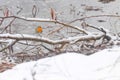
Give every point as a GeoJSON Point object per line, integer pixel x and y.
{"type": "Point", "coordinates": [103, 65]}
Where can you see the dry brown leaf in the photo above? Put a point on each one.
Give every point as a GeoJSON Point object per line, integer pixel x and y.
{"type": "Point", "coordinates": [6, 12]}
{"type": "Point", "coordinates": [53, 15]}
{"type": "Point", "coordinates": [5, 66]}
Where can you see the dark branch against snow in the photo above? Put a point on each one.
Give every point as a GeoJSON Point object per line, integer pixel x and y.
{"type": "Point", "coordinates": [48, 20]}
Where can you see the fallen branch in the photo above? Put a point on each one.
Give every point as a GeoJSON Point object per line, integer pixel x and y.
{"type": "Point", "coordinates": [46, 40]}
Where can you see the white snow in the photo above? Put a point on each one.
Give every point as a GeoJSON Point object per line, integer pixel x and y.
{"type": "Point", "coordinates": [103, 65]}
{"type": "Point", "coordinates": [47, 40]}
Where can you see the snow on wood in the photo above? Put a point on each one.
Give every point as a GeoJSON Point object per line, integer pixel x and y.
{"type": "Point", "coordinates": [48, 20]}
{"type": "Point", "coordinates": [103, 65]}
{"type": "Point", "coordinates": [46, 40]}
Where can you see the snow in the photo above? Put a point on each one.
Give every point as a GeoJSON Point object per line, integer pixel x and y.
{"type": "Point", "coordinates": [47, 40]}
{"type": "Point", "coordinates": [103, 65]}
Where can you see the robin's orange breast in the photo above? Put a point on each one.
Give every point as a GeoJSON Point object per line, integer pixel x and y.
{"type": "Point", "coordinates": [39, 29]}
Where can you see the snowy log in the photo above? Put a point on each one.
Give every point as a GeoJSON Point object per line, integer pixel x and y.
{"type": "Point", "coordinates": [46, 40]}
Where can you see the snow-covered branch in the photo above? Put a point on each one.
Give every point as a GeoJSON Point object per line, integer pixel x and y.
{"type": "Point", "coordinates": [86, 35]}
{"type": "Point", "coordinates": [46, 40]}
{"type": "Point", "coordinates": [49, 20]}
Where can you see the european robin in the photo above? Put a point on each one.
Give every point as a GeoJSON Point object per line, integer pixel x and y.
{"type": "Point", "coordinates": [39, 29]}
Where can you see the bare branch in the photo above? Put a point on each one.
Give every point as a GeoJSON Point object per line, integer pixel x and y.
{"type": "Point", "coordinates": [8, 26]}
{"type": "Point", "coordinates": [80, 19]}
{"type": "Point", "coordinates": [9, 45]}
{"type": "Point", "coordinates": [74, 27]}
{"type": "Point", "coordinates": [20, 9]}
{"type": "Point", "coordinates": [47, 48]}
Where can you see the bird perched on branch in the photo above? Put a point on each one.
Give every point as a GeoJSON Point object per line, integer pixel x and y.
{"type": "Point", "coordinates": [39, 29]}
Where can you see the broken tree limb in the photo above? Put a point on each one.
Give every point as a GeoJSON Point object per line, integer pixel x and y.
{"type": "Point", "coordinates": [49, 41]}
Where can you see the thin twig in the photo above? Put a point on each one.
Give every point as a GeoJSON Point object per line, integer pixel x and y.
{"type": "Point", "coordinates": [8, 26]}
{"type": "Point", "coordinates": [10, 45]}
{"type": "Point", "coordinates": [56, 30]}
{"type": "Point", "coordinates": [49, 20]}
{"type": "Point", "coordinates": [80, 19]}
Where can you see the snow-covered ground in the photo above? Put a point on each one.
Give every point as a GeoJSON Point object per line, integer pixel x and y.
{"type": "Point", "coordinates": [103, 65]}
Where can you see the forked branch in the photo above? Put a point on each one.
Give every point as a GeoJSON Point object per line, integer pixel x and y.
{"type": "Point", "coordinates": [49, 20]}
